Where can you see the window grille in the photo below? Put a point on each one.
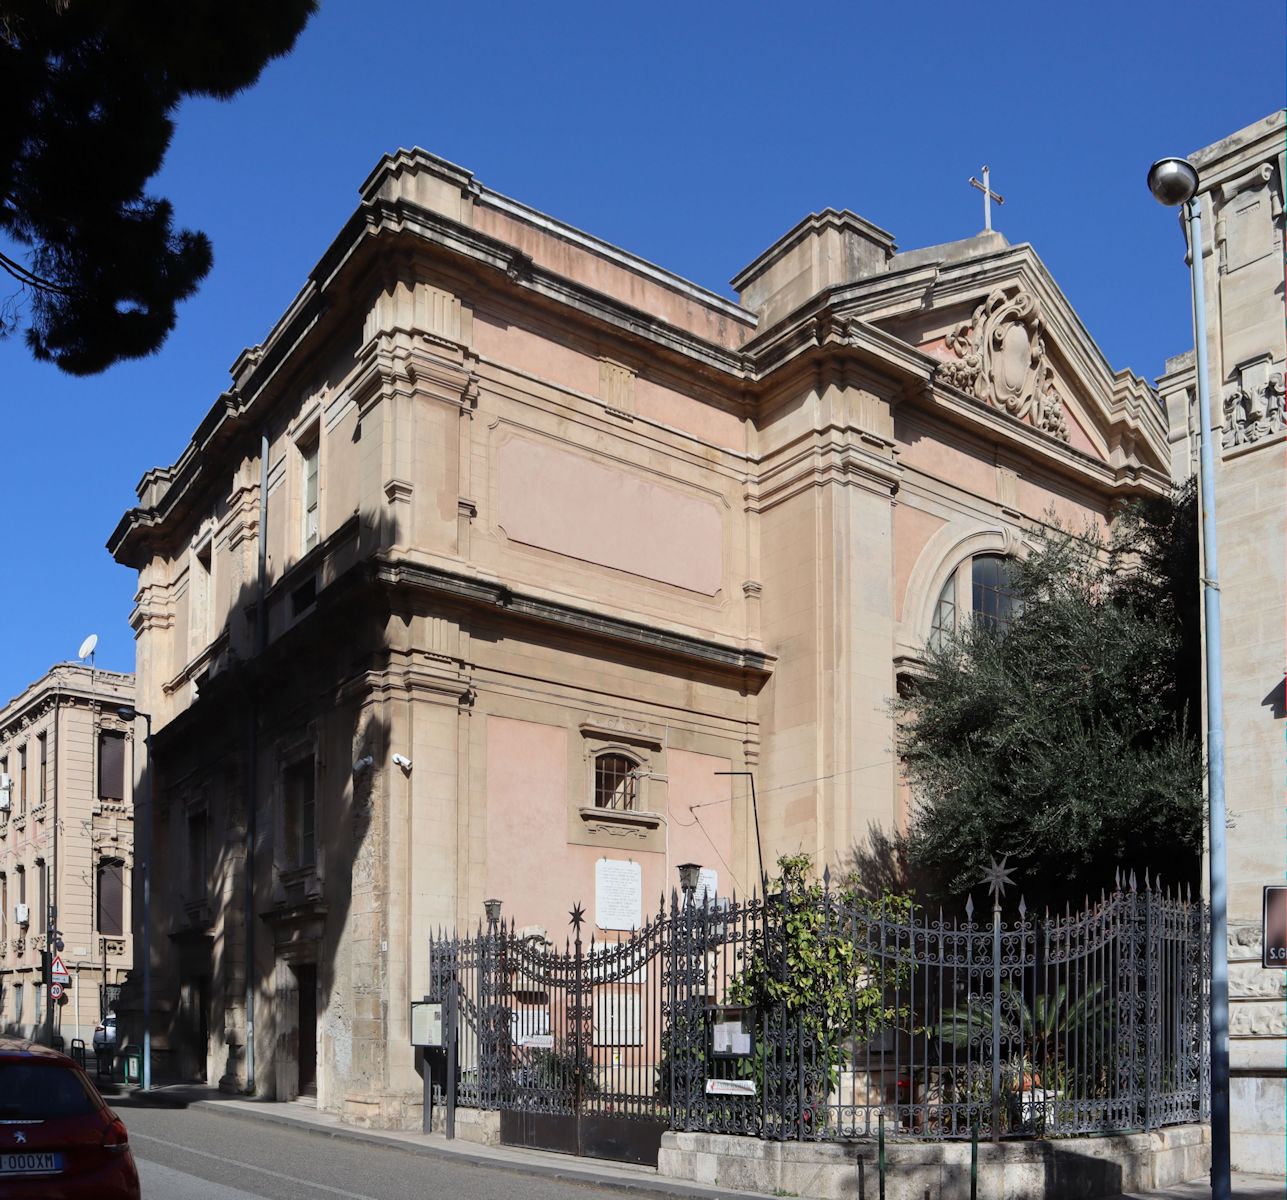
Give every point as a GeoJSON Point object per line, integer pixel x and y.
{"type": "Point", "coordinates": [615, 782]}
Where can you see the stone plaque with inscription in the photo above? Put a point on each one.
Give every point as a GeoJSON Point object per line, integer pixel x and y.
{"type": "Point", "coordinates": [618, 894]}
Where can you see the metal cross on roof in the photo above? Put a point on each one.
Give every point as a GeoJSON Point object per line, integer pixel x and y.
{"type": "Point", "coordinates": [988, 196]}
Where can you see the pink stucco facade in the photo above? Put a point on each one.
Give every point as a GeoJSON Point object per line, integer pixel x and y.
{"type": "Point", "coordinates": [551, 535]}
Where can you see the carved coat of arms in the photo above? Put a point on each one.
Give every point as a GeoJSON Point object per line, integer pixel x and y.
{"type": "Point", "coordinates": [1001, 360]}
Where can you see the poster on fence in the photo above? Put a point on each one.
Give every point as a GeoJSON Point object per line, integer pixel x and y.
{"type": "Point", "coordinates": [730, 1087]}
{"type": "Point", "coordinates": [531, 1027]}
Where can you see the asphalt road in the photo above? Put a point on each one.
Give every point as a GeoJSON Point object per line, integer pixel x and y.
{"type": "Point", "coordinates": [200, 1154]}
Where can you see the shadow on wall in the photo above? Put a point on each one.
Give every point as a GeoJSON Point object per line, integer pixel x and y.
{"type": "Point", "coordinates": [1276, 701]}
{"type": "Point", "coordinates": [881, 864]}
{"type": "Point", "coordinates": [1019, 1170]}
{"type": "Point", "coordinates": [285, 724]}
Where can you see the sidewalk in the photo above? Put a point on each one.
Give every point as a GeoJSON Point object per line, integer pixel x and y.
{"type": "Point", "coordinates": [625, 1177]}
{"type": "Point", "coordinates": [596, 1172]}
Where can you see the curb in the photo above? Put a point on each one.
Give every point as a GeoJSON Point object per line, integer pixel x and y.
{"type": "Point", "coordinates": [646, 1186]}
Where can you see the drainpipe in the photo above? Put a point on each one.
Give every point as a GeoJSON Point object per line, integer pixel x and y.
{"type": "Point", "coordinates": [252, 764]}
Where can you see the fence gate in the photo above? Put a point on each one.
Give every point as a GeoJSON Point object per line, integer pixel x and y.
{"type": "Point", "coordinates": [565, 1042]}
{"type": "Point", "coordinates": [819, 1014]}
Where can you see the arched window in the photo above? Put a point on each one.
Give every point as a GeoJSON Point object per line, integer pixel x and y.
{"type": "Point", "coordinates": [990, 599]}
{"type": "Point", "coordinates": [615, 782]}
{"type": "Point", "coordinates": [993, 600]}
{"type": "Point", "coordinates": [944, 625]}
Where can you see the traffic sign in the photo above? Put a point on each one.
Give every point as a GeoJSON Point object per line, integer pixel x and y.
{"type": "Point", "coordinates": [55, 991]}
{"type": "Point", "coordinates": [58, 972]}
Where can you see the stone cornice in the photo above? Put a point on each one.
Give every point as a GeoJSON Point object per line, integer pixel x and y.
{"type": "Point", "coordinates": [833, 456]}
{"type": "Point", "coordinates": [68, 683]}
{"type": "Point", "coordinates": [391, 166]}
{"type": "Point", "coordinates": [982, 418]}
{"type": "Point", "coordinates": [1262, 139]}
{"type": "Point", "coordinates": [828, 218]}
{"type": "Point", "coordinates": [494, 595]}
{"type": "Point", "coordinates": [481, 249]}
{"type": "Point", "coordinates": [823, 324]}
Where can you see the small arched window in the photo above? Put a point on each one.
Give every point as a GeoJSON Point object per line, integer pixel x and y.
{"type": "Point", "coordinates": [990, 599]}
{"type": "Point", "coordinates": [615, 781]}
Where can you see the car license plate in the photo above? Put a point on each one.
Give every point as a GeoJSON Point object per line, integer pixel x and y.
{"type": "Point", "coordinates": [32, 1162]}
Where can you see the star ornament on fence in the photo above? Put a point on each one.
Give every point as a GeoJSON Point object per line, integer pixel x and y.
{"type": "Point", "coordinates": [578, 915]}
{"type": "Point", "coordinates": [998, 878]}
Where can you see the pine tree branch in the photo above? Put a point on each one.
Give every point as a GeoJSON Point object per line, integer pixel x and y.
{"type": "Point", "coordinates": [30, 279]}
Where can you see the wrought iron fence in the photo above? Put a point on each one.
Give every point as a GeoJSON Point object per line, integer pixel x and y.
{"type": "Point", "coordinates": [1023, 1025]}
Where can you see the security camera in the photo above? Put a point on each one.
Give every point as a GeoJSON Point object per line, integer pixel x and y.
{"type": "Point", "coordinates": [401, 760]}
{"type": "Point", "coordinates": [361, 764]}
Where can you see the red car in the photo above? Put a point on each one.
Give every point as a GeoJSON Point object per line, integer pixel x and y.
{"type": "Point", "coordinates": [58, 1138]}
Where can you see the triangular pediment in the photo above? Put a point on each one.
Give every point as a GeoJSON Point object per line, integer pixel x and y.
{"type": "Point", "coordinates": [1003, 333]}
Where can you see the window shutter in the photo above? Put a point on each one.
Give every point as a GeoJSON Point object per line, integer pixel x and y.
{"type": "Point", "coordinates": [111, 891]}
{"type": "Point", "coordinates": [111, 766]}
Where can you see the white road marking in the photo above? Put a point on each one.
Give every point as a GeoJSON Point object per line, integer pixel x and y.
{"type": "Point", "coordinates": [165, 1183]}
{"type": "Point", "coordinates": [219, 1158]}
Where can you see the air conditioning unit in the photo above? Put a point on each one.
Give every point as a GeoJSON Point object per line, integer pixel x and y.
{"type": "Point", "coordinates": [22, 914]}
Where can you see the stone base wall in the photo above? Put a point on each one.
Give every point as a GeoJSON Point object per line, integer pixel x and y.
{"type": "Point", "coordinates": [1257, 1142]}
{"type": "Point", "coordinates": [1063, 1169]}
{"type": "Point", "coordinates": [395, 1110]}
{"type": "Point", "coordinates": [472, 1125]}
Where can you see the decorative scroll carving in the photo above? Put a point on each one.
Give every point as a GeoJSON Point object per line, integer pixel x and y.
{"type": "Point", "coordinates": [1001, 360]}
{"type": "Point", "coordinates": [1254, 404]}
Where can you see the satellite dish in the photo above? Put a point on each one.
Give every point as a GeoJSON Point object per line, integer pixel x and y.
{"type": "Point", "coordinates": [87, 646]}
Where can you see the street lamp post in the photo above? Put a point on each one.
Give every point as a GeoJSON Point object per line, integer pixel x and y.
{"type": "Point", "coordinates": [130, 714]}
{"type": "Point", "coordinates": [1174, 181]}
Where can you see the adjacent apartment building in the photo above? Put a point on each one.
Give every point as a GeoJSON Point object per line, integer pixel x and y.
{"type": "Point", "coordinates": [1241, 190]}
{"type": "Point", "coordinates": [66, 848]}
{"type": "Point", "coordinates": [506, 546]}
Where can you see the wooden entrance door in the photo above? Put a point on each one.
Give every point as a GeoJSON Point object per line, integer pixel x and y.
{"type": "Point", "coordinates": [306, 1051]}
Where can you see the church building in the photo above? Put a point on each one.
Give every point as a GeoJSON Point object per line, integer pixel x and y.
{"type": "Point", "coordinates": [507, 555]}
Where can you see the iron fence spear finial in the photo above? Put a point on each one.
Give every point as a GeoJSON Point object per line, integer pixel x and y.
{"type": "Point", "coordinates": [998, 877]}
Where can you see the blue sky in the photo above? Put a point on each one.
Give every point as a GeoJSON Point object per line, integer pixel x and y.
{"type": "Point", "coordinates": [693, 134]}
